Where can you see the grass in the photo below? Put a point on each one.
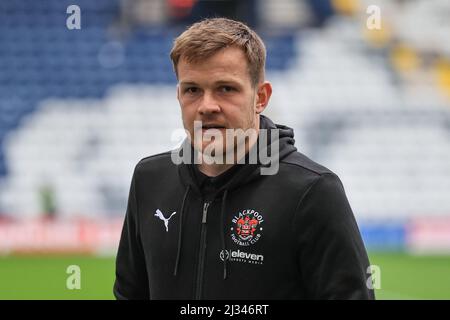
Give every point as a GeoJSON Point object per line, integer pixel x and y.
{"type": "Point", "coordinates": [44, 277]}
{"type": "Point", "coordinates": [411, 277]}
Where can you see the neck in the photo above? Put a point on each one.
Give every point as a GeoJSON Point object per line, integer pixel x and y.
{"type": "Point", "coordinates": [215, 169]}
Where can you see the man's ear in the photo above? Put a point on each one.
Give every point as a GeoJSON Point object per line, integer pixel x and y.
{"type": "Point", "coordinates": [263, 96]}
{"type": "Point", "coordinates": [178, 92]}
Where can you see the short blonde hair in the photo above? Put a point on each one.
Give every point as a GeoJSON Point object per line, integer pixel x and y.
{"type": "Point", "coordinates": [205, 38]}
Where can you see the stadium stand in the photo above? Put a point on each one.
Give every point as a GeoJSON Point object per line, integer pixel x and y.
{"type": "Point", "coordinates": [78, 108]}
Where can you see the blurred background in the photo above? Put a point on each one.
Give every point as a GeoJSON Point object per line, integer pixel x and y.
{"type": "Point", "coordinates": [365, 85]}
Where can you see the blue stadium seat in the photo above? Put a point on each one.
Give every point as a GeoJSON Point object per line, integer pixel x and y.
{"type": "Point", "coordinates": [40, 58]}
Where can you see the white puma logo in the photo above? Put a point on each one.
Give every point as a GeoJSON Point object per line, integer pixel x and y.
{"type": "Point", "coordinates": [160, 215]}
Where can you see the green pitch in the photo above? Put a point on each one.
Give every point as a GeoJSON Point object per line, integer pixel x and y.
{"type": "Point", "coordinates": [45, 277]}
{"type": "Point", "coordinates": [412, 277]}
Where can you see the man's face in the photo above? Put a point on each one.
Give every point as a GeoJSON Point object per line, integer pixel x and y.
{"type": "Point", "coordinates": [219, 93]}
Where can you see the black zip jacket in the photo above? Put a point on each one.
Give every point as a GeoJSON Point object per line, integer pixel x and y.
{"type": "Point", "coordinates": [241, 235]}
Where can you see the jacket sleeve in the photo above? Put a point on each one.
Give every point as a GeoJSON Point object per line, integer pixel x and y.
{"type": "Point", "coordinates": [332, 258]}
{"type": "Point", "coordinates": [131, 275]}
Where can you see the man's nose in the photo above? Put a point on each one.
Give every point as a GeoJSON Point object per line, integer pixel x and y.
{"type": "Point", "coordinates": [208, 105]}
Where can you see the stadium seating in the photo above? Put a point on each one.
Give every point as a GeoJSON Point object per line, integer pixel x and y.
{"type": "Point", "coordinates": [78, 109]}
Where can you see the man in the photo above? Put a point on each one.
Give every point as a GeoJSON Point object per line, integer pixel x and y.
{"type": "Point", "coordinates": [224, 229]}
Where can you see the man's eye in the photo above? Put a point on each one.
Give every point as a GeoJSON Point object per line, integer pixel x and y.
{"type": "Point", "coordinates": [191, 90]}
{"type": "Point", "coordinates": [226, 89]}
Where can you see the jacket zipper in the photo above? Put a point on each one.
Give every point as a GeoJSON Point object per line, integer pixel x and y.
{"type": "Point", "coordinates": [202, 253]}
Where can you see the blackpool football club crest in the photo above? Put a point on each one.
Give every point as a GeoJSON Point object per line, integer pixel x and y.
{"type": "Point", "coordinates": [246, 227]}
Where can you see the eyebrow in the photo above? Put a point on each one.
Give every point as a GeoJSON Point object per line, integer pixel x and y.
{"type": "Point", "coordinates": [188, 83]}
{"type": "Point", "coordinates": [227, 81]}
{"type": "Point", "coordinates": [234, 82]}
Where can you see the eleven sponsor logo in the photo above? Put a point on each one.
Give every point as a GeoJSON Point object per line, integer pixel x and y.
{"type": "Point", "coordinates": [246, 227]}
{"type": "Point", "coordinates": [241, 256]}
